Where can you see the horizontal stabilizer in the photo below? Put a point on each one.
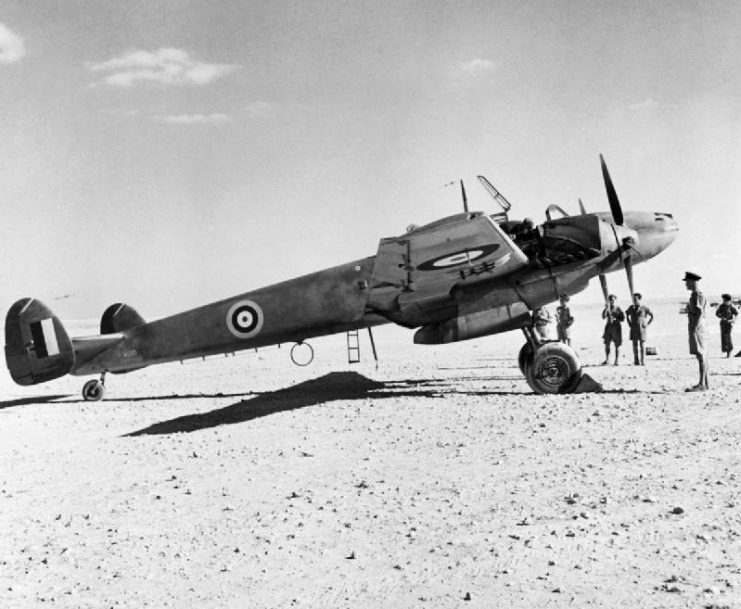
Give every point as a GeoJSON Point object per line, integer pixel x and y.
{"type": "Point", "coordinates": [37, 347]}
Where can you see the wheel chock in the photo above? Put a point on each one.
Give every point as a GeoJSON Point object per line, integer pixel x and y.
{"type": "Point", "coordinates": [587, 384]}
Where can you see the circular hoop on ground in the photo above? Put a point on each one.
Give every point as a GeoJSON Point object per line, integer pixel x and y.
{"type": "Point", "coordinates": [302, 354]}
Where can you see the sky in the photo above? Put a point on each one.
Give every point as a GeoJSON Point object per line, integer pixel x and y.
{"type": "Point", "coordinates": [171, 153]}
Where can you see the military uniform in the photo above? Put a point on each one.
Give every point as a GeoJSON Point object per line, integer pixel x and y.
{"type": "Point", "coordinates": [639, 316]}
{"type": "Point", "coordinates": [614, 317]}
{"type": "Point", "coordinates": [696, 328]}
{"type": "Point", "coordinates": [638, 321]}
{"type": "Point", "coordinates": [564, 321]}
{"type": "Point", "coordinates": [541, 321]}
{"type": "Point", "coordinates": [696, 322]}
{"type": "Point", "coordinates": [727, 314]}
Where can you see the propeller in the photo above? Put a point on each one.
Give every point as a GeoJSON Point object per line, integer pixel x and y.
{"type": "Point", "coordinates": [628, 262]}
{"type": "Point", "coordinates": [617, 211]}
{"type": "Point", "coordinates": [617, 216]}
{"type": "Point", "coordinates": [603, 283]}
{"type": "Point", "coordinates": [582, 208]}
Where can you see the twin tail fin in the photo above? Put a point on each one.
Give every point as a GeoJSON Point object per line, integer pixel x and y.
{"type": "Point", "coordinates": [37, 347]}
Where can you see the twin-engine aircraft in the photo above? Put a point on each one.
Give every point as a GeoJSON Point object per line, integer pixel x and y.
{"type": "Point", "coordinates": [465, 276]}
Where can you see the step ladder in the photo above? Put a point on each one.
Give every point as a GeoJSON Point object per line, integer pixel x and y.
{"type": "Point", "coordinates": [353, 347]}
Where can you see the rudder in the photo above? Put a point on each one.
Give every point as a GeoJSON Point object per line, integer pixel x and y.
{"type": "Point", "coordinates": [120, 317]}
{"type": "Point", "coordinates": [37, 347]}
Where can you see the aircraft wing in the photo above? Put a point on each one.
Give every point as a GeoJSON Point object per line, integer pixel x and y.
{"type": "Point", "coordinates": [417, 271]}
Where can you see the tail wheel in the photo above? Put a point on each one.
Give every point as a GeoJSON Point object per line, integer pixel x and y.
{"type": "Point", "coordinates": [555, 368]}
{"type": "Point", "coordinates": [525, 358]}
{"type": "Point", "coordinates": [93, 391]}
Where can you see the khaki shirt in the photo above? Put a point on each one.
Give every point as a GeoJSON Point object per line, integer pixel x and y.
{"type": "Point", "coordinates": [696, 310]}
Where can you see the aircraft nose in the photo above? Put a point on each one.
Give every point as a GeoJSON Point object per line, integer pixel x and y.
{"type": "Point", "coordinates": [657, 233]}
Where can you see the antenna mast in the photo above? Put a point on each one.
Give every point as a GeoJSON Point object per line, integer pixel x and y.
{"type": "Point", "coordinates": [465, 199]}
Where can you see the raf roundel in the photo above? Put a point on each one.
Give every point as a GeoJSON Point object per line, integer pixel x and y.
{"type": "Point", "coordinates": [244, 319]}
{"type": "Point", "coordinates": [458, 258]}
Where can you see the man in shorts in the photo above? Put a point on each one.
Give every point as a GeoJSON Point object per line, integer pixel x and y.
{"type": "Point", "coordinates": [614, 317]}
{"type": "Point", "coordinates": [541, 320]}
{"type": "Point", "coordinates": [696, 328]}
{"type": "Point", "coordinates": [639, 318]}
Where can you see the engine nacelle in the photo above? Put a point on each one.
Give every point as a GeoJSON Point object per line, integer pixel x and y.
{"type": "Point", "coordinates": [474, 325]}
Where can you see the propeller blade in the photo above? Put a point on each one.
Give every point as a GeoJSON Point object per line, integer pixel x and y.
{"type": "Point", "coordinates": [582, 208]}
{"type": "Point", "coordinates": [603, 283]}
{"type": "Point", "coordinates": [617, 212]}
{"type": "Point", "coordinates": [628, 262]}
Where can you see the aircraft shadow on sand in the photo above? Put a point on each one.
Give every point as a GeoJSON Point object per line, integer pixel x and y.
{"type": "Point", "coordinates": [330, 387]}
{"type": "Point", "coordinates": [68, 398]}
{"type": "Point", "coordinates": [38, 399]}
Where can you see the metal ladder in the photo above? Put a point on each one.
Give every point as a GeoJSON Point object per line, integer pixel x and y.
{"type": "Point", "coordinates": [353, 347]}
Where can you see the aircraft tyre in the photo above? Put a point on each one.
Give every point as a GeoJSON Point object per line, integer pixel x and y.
{"type": "Point", "coordinates": [525, 358]}
{"type": "Point", "coordinates": [93, 391]}
{"type": "Point", "coordinates": [555, 368]}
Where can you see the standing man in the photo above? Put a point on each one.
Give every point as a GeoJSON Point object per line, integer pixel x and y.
{"type": "Point", "coordinates": [564, 320]}
{"type": "Point", "coordinates": [639, 318]}
{"type": "Point", "coordinates": [696, 328]}
{"type": "Point", "coordinates": [727, 313]}
{"type": "Point", "coordinates": [614, 317]}
{"type": "Point", "coordinates": [541, 321]}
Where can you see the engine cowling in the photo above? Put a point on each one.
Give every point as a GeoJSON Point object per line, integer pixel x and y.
{"type": "Point", "coordinates": [473, 325]}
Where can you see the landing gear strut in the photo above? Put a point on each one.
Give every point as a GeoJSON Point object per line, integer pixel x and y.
{"type": "Point", "coordinates": [93, 390]}
{"type": "Point", "coordinates": [549, 367]}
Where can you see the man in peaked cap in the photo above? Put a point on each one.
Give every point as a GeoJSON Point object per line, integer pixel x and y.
{"type": "Point", "coordinates": [696, 328]}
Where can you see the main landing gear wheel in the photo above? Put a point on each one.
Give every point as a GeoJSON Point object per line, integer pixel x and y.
{"type": "Point", "coordinates": [93, 390]}
{"type": "Point", "coordinates": [554, 368]}
{"type": "Point", "coordinates": [525, 358]}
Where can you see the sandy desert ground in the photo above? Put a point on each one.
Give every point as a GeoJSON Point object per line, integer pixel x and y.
{"type": "Point", "coordinates": [437, 479]}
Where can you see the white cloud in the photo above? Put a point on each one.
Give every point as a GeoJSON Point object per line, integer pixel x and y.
{"type": "Point", "coordinates": [12, 48]}
{"type": "Point", "coordinates": [193, 119]}
{"type": "Point", "coordinates": [164, 66]}
{"type": "Point", "coordinates": [478, 67]}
